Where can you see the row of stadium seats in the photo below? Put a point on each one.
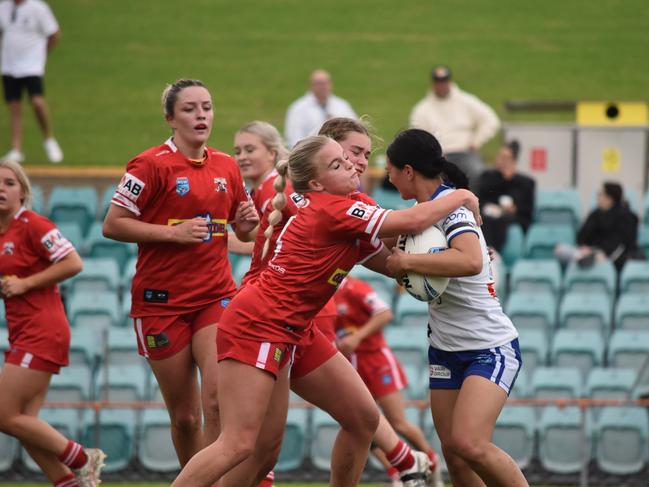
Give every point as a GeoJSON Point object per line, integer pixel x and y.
{"type": "Point", "coordinates": [616, 438]}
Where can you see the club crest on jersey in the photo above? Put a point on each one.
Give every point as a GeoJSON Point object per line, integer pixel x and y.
{"type": "Point", "coordinates": [220, 185]}
{"type": "Point", "coordinates": [337, 277]}
{"type": "Point", "coordinates": [182, 186]}
{"type": "Point", "coordinates": [8, 248]}
{"type": "Point", "coordinates": [299, 200]}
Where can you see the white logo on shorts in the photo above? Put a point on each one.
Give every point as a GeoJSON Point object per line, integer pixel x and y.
{"type": "Point", "coordinates": [439, 372]}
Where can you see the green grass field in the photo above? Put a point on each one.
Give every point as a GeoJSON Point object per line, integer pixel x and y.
{"type": "Point", "coordinates": [105, 78]}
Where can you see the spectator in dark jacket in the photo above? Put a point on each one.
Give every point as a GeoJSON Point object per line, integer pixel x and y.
{"type": "Point", "coordinates": [506, 196]}
{"type": "Point", "coordinates": [609, 232]}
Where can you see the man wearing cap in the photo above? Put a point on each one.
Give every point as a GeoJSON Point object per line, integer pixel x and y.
{"type": "Point", "coordinates": [461, 122]}
{"type": "Point", "coordinates": [306, 115]}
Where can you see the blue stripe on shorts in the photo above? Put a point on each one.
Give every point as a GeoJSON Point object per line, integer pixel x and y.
{"type": "Point", "coordinates": [500, 365]}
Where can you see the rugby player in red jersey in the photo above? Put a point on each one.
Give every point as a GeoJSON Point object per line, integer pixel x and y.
{"type": "Point", "coordinates": [269, 317]}
{"type": "Point", "coordinates": [175, 200]}
{"type": "Point", "coordinates": [34, 258]}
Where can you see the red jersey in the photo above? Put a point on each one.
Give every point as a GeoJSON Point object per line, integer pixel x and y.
{"type": "Point", "coordinates": [36, 319]}
{"type": "Point", "coordinates": [162, 186]}
{"type": "Point", "coordinates": [314, 252]}
{"type": "Point", "coordinates": [356, 302]}
{"type": "Point", "coordinates": [262, 196]}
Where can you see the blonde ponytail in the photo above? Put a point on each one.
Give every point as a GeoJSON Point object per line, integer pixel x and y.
{"type": "Point", "coordinates": [278, 202]}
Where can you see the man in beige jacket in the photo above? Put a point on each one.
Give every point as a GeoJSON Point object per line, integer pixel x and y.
{"type": "Point", "coordinates": [461, 122]}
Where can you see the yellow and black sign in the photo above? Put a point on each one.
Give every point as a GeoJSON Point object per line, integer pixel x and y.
{"type": "Point", "coordinates": [610, 114]}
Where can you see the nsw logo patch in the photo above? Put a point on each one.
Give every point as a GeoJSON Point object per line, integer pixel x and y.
{"type": "Point", "coordinates": [182, 185]}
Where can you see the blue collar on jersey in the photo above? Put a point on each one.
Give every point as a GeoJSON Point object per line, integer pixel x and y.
{"type": "Point", "coordinates": [442, 187]}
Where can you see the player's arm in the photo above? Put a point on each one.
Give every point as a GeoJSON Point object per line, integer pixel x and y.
{"type": "Point", "coordinates": [121, 224]}
{"type": "Point", "coordinates": [236, 246]}
{"type": "Point", "coordinates": [424, 215]}
{"type": "Point", "coordinates": [61, 270]}
{"type": "Point", "coordinates": [462, 258]}
{"type": "Point", "coordinates": [246, 221]}
{"type": "Point", "coordinates": [53, 40]}
{"type": "Point", "coordinates": [376, 323]}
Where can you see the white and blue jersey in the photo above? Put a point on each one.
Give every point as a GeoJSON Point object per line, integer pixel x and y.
{"type": "Point", "coordinates": [468, 331]}
{"type": "Point", "coordinates": [468, 316]}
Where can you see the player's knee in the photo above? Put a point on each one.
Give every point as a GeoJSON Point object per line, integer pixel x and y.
{"type": "Point", "coordinates": [186, 421]}
{"type": "Point", "coordinates": [471, 450]}
{"type": "Point", "coordinates": [363, 422]}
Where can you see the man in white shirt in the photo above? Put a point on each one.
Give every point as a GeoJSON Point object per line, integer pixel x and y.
{"type": "Point", "coordinates": [306, 115]}
{"type": "Point", "coordinates": [461, 122]}
{"type": "Point", "coordinates": [28, 33]}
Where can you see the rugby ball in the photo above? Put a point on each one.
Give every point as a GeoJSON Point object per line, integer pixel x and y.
{"type": "Point", "coordinates": [430, 241]}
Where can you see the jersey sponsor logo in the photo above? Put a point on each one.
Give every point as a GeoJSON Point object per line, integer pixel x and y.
{"type": "Point", "coordinates": [360, 210]}
{"type": "Point", "coordinates": [156, 295]}
{"type": "Point", "coordinates": [225, 302]}
{"type": "Point", "coordinates": [182, 185]}
{"type": "Point", "coordinates": [299, 200]}
{"type": "Point", "coordinates": [220, 185]}
{"type": "Point", "coordinates": [157, 341]}
{"type": "Point", "coordinates": [215, 227]}
{"type": "Point", "coordinates": [53, 240]}
{"type": "Point", "coordinates": [8, 248]}
{"type": "Point", "coordinates": [386, 379]}
{"type": "Point", "coordinates": [337, 277]}
{"type": "Point", "coordinates": [277, 268]}
{"type": "Point", "coordinates": [456, 216]}
{"type": "Point", "coordinates": [439, 372]}
{"type": "Point", "coordinates": [277, 355]}
{"type": "Point", "coordinates": [130, 187]}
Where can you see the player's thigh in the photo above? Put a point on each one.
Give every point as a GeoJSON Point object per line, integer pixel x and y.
{"type": "Point", "coordinates": [442, 406]}
{"type": "Point", "coordinates": [20, 387]}
{"type": "Point", "coordinates": [478, 405]}
{"type": "Point", "coordinates": [393, 406]}
{"type": "Point", "coordinates": [178, 380]}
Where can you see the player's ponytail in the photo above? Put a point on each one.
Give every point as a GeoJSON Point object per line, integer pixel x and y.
{"type": "Point", "coordinates": [454, 175]}
{"type": "Point", "coordinates": [278, 202]}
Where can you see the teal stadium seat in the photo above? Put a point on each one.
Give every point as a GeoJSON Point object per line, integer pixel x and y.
{"type": "Point", "coordinates": [583, 349]}
{"type": "Point", "coordinates": [558, 206]}
{"type": "Point", "coordinates": [116, 431]}
{"type": "Point", "coordinates": [76, 204]}
{"type": "Point", "coordinates": [536, 276]}
{"type": "Point", "coordinates": [522, 384]}
{"type": "Point", "coordinates": [122, 348]}
{"type": "Point", "coordinates": [323, 435]}
{"type": "Point", "coordinates": [386, 198]}
{"type": "Point", "coordinates": [38, 199]}
{"type": "Point", "coordinates": [85, 347]}
{"type": "Point", "coordinates": [156, 451]}
{"type": "Point", "coordinates": [294, 445]}
{"type": "Point", "coordinates": [125, 308]}
{"type": "Point", "coordinates": [534, 348]}
{"type": "Point", "coordinates": [515, 433]}
{"type": "Point", "coordinates": [409, 345]}
{"type": "Point", "coordinates": [71, 384]}
{"type": "Point", "coordinates": [106, 197]}
{"type": "Point", "coordinates": [411, 312]}
{"type": "Point", "coordinates": [556, 383]}
{"type": "Point", "coordinates": [121, 383]}
{"type": "Point", "coordinates": [65, 421]}
{"type": "Point", "coordinates": [609, 383]}
{"type": "Point", "coordinates": [3, 315]}
{"type": "Point", "coordinates": [543, 238]}
{"type": "Point", "coordinates": [533, 311]}
{"type": "Point", "coordinates": [4, 339]}
{"type": "Point", "coordinates": [514, 246]}
{"type": "Point", "coordinates": [634, 277]}
{"type": "Point", "coordinates": [586, 312]}
{"type": "Point", "coordinates": [632, 312]}
{"type": "Point", "coordinates": [8, 451]}
{"type": "Point", "coordinates": [242, 266]}
{"type": "Point", "coordinates": [622, 435]}
{"type": "Point", "coordinates": [561, 439]}
{"type": "Point", "coordinates": [630, 349]}
{"type": "Point", "coordinates": [97, 246]}
{"type": "Point", "coordinates": [643, 239]}
{"type": "Point", "coordinates": [601, 277]}
{"type": "Point", "coordinates": [98, 274]}
{"type": "Point", "coordinates": [72, 231]}
{"type": "Point", "coordinates": [94, 310]}
{"type": "Point", "coordinates": [645, 206]}
{"type": "Point", "coordinates": [417, 388]}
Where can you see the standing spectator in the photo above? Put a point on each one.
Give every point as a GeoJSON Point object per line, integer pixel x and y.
{"type": "Point", "coordinates": [29, 32]}
{"type": "Point", "coordinates": [461, 122]}
{"type": "Point", "coordinates": [506, 196]}
{"type": "Point", "coordinates": [609, 232]}
{"type": "Point", "coordinates": [306, 114]}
